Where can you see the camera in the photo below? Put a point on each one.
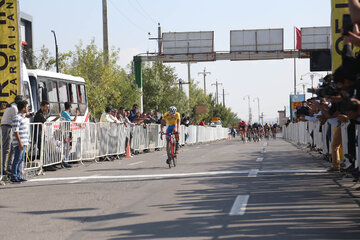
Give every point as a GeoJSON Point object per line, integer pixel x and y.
{"type": "Point", "coordinates": [347, 24]}
{"type": "Point", "coordinates": [311, 90]}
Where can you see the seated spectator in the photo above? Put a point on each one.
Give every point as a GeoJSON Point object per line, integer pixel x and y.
{"type": "Point", "coordinates": [202, 122]}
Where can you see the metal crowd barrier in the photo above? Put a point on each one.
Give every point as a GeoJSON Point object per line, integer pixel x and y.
{"type": "Point", "coordinates": [322, 135]}
{"type": "Point", "coordinates": [56, 142]}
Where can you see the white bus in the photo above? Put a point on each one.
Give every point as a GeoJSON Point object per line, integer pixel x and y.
{"type": "Point", "coordinates": [56, 88]}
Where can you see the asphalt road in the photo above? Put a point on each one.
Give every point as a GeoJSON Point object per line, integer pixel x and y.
{"type": "Point", "coordinates": [221, 190]}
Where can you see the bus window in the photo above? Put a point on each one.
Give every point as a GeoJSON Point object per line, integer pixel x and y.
{"type": "Point", "coordinates": [27, 95]}
{"type": "Point", "coordinates": [52, 94]}
{"type": "Point", "coordinates": [73, 98]}
{"type": "Point", "coordinates": [82, 99]}
{"type": "Point", "coordinates": [43, 94]}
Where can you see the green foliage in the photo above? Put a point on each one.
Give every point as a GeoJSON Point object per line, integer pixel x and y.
{"type": "Point", "coordinates": [160, 88]}
{"type": "Point", "coordinates": [106, 84]}
{"type": "Point", "coordinates": [109, 84]}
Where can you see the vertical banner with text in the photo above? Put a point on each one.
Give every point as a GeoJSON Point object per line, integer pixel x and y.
{"type": "Point", "coordinates": [338, 9]}
{"type": "Point", "coordinates": [10, 61]}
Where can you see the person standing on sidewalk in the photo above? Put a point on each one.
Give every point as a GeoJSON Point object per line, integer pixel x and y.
{"type": "Point", "coordinates": [6, 131]}
{"type": "Point", "coordinates": [21, 140]}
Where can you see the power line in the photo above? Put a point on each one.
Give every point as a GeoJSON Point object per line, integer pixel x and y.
{"type": "Point", "coordinates": [137, 9]}
{"type": "Point", "coordinates": [126, 17]}
{"type": "Point", "coordinates": [146, 12]}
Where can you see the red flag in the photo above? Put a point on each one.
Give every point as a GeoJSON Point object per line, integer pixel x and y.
{"type": "Point", "coordinates": [298, 38]}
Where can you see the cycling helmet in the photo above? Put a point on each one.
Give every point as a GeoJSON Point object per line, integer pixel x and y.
{"type": "Point", "coordinates": [172, 110]}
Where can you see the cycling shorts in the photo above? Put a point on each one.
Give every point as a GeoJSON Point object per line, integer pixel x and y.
{"type": "Point", "coordinates": [170, 129]}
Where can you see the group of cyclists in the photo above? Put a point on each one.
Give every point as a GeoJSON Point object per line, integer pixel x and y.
{"type": "Point", "coordinates": [255, 132]}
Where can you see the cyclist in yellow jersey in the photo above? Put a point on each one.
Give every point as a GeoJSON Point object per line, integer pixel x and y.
{"type": "Point", "coordinates": [172, 119]}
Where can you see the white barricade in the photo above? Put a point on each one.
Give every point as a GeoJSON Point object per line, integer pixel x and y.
{"type": "Point", "coordinates": [55, 142]}
{"type": "Point", "coordinates": [192, 134]}
{"type": "Point", "coordinates": [52, 144]}
{"type": "Point", "coordinates": [102, 130]}
{"type": "Point", "coordinates": [33, 155]}
{"type": "Point", "coordinates": [88, 142]}
{"type": "Point", "coordinates": [153, 133]}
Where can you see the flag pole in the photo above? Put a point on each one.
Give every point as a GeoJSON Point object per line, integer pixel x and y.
{"type": "Point", "coordinates": [294, 61]}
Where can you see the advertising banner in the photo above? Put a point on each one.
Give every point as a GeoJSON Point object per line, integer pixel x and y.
{"type": "Point", "coordinates": [9, 52]}
{"type": "Point", "coordinates": [295, 101]}
{"type": "Point", "coordinates": [338, 9]}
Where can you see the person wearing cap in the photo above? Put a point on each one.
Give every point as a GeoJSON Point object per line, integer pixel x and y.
{"type": "Point", "coordinates": [6, 131]}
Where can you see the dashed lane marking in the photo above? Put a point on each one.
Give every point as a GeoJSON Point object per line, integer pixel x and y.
{"type": "Point", "coordinates": [259, 159]}
{"type": "Point", "coordinates": [253, 173]}
{"type": "Point", "coordinates": [178, 175]}
{"type": "Point", "coordinates": [239, 206]}
{"type": "Point", "coordinates": [135, 163]}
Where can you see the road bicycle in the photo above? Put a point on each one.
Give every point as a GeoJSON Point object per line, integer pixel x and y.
{"type": "Point", "coordinates": [171, 150]}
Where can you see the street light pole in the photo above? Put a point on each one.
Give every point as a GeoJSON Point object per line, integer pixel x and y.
{"type": "Point", "coordinates": [56, 50]}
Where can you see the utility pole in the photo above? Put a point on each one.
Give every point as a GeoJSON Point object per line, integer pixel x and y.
{"type": "Point", "coordinates": [105, 32]}
{"type": "Point", "coordinates": [204, 73]}
{"type": "Point", "coordinates": [258, 100]}
{"type": "Point", "coordinates": [223, 94]}
{"type": "Point", "coordinates": [159, 39]}
{"type": "Point", "coordinates": [217, 90]}
{"type": "Point", "coordinates": [223, 97]}
{"type": "Point", "coordinates": [250, 114]}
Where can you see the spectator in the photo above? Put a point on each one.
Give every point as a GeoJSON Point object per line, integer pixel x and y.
{"type": "Point", "coordinates": [119, 115]}
{"type": "Point", "coordinates": [66, 113]}
{"type": "Point", "coordinates": [106, 116]}
{"type": "Point", "coordinates": [21, 139]}
{"type": "Point", "coordinates": [354, 7]}
{"type": "Point", "coordinates": [127, 121]}
{"type": "Point", "coordinates": [150, 118]}
{"type": "Point", "coordinates": [202, 122]}
{"type": "Point", "coordinates": [132, 115]}
{"type": "Point", "coordinates": [40, 117]}
{"type": "Point", "coordinates": [6, 131]}
{"type": "Point", "coordinates": [68, 134]}
{"type": "Point", "coordinates": [113, 114]}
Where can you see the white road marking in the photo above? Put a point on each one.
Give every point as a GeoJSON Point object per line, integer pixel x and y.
{"type": "Point", "coordinates": [259, 159]}
{"type": "Point", "coordinates": [253, 173]}
{"type": "Point", "coordinates": [239, 206]}
{"type": "Point", "coordinates": [80, 180]}
{"type": "Point", "coordinates": [135, 163]}
{"type": "Point", "coordinates": [176, 175]}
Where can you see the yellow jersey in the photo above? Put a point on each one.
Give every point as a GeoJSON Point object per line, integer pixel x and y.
{"type": "Point", "coordinates": [171, 120]}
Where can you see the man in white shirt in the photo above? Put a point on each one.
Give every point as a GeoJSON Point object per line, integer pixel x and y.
{"type": "Point", "coordinates": [105, 117]}
{"type": "Point", "coordinates": [6, 131]}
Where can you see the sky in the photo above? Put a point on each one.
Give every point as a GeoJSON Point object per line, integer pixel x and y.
{"type": "Point", "coordinates": [131, 21]}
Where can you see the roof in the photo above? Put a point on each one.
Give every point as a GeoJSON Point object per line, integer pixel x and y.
{"type": "Point", "coordinates": [37, 72]}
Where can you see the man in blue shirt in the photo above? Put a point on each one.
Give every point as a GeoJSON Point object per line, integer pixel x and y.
{"type": "Point", "coordinates": [66, 113]}
{"type": "Point", "coordinates": [68, 134]}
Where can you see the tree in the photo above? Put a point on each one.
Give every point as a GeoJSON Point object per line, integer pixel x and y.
{"type": "Point", "coordinates": [160, 88]}
{"type": "Point", "coordinates": [106, 84]}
